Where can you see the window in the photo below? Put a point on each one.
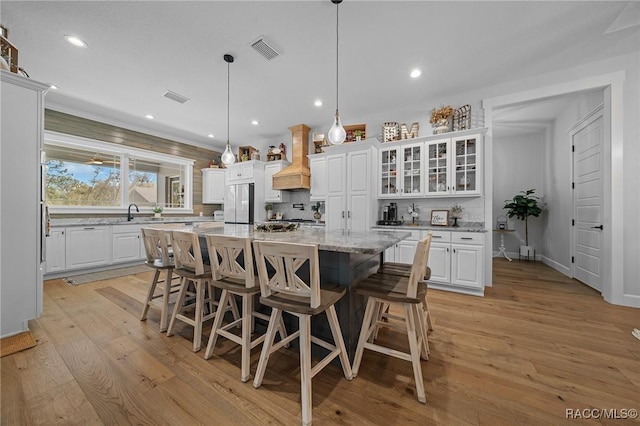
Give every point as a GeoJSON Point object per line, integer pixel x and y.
{"type": "Point", "coordinates": [87, 176]}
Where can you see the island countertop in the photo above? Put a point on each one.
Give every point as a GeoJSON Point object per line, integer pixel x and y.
{"type": "Point", "coordinates": [355, 242]}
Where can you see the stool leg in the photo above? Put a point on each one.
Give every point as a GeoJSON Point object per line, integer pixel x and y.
{"type": "Point", "coordinates": [246, 337]}
{"type": "Point", "coordinates": [150, 293]}
{"type": "Point", "coordinates": [217, 323]}
{"type": "Point", "coordinates": [369, 312]}
{"type": "Point", "coordinates": [421, 330]}
{"type": "Point", "coordinates": [234, 310]}
{"type": "Point", "coordinates": [166, 294]}
{"type": "Point", "coordinates": [276, 315]}
{"type": "Point", "coordinates": [415, 352]}
{"type": "Point", "coordinates": [305, 368]}
{"type": "Point", "coordinates": [332, 318]}
{"type": "Point", "coordinates": [181, 294]}
{"type": "Point", "coordinates": [197, 326]}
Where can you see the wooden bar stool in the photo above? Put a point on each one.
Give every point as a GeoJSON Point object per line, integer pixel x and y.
{"type": "Point", "coordinates": [191, 269]}
{"type": "Point", "coordinates": [286, 291]}
{"type": "Point", "coordinates": [408, 293]}
{"type": "Point", "coordinates": [235, 279]}
{"type": "Point", "coordinates": [159, 257]}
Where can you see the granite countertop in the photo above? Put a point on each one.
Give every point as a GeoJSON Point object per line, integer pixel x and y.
{"type": "Point", "coordinates": [92, 221]}
{"type": "Point", "coordinates": [464, 227]}
{"type": "Point", "coordinates": [356, 242]}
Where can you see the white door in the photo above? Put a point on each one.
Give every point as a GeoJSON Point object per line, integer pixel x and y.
{"type": "Point", "coordinates": [587, 201]}
{"type": "Point", "coordinates": [440, 262]}
{"type": "Point", "coordinates": [466, 265]}
{"type": "Point", "coordinates": [335, 208]}
{"type": "Point", "coordinates": [358, 191]}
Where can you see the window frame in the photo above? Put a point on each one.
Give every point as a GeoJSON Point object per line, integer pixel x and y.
{"type": "Point", "coordinates": [125, 153]}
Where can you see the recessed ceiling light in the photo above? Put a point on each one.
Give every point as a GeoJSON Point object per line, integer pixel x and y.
{"type": "Point", "coordinates": [255, 122]}
{"type": "Point", "coordinates": [318, 103]}
{"type": "Point", "coordinates": [53, 86]}
{"type": "Point", "coordinates": [149, 116]}
{"type": "Point", "coordinates": [75, 41]}
{"type": "Point", "coordinates": [210, 135]}
{"type": "Point", "coordinates": [415, 73]}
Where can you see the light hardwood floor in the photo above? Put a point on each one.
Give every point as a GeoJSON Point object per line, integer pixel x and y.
{"type": "Point", "coordinates": [536, 345]}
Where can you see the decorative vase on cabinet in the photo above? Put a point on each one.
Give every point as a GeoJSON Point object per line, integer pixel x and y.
{"type": "Point", "coordinates": [441, 126]}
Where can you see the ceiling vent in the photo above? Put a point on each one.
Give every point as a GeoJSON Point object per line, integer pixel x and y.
{"type": "Point", "coordinates": [262, 47]}
{"type": "Point", "coordinates": [175, 97]}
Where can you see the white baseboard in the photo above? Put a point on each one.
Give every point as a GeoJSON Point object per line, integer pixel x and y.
{"type": "Point", "coordinates": [557, 266]}
{"type": "Point", "coordinates": [632, 300]}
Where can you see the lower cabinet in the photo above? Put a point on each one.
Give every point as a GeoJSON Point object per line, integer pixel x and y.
{"type": "Point", "coordinates": [456, 261]}
{"type": "Point", "coordinates": [126, 243]}
{"type": "Point", "coordinates": [55, 251]}
{"type": "Point", "coordinates": [405, 250]}
{"type": "Point", "coordinates": [87, 246]}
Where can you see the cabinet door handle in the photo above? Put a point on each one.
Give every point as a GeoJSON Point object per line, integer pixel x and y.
{"type": "Point", "coordinates": [436, 236]}
{"type": "Point", "coordinates": [343, 214]}
{"type": "Point", "coordinates": [349, 214]}
{"type": "Point", "coordinates": [466, 238]}
{"type": "Point", "coordinates": [88, 229]}
{"type": "Point", "coordinates": [447, 249]}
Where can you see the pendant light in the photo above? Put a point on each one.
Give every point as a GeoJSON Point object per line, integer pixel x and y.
{"type": "Point", "coordinates": [227, 156]}
{"type": "Point", "coordinates": [337, 134]}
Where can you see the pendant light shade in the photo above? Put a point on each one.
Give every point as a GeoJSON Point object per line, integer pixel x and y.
{"type": "Point", "coordinates": [337, 134]}
{"type": "Point", "coordinates": [227, 156]}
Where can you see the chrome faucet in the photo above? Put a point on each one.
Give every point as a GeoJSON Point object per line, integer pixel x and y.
{"type": "Point", "coordinates": [129, 215]}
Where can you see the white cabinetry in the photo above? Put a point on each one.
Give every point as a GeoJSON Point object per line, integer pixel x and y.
{"type": "Point", "coordinates": [87, 246]}
{"type": "Point", "coordinates": [213, 186]}
{"type": "Point", "coordinates": [348, 201]}
{"type": "Point", "coordinates": [56, 253]}
{"type": "Point", "coordinates": [401, 171]}
{"type": "Point", "coordinates": [405, 250]}
{"type": "Point", "coordinates": [318, 168]}
{"type": "Point", "coordinates": [456, 261]}
{"type": "Point", "coordinates": [454, 166]}
{"type": "Point", "coordinates": [21, 226]}
{"type": "Point", "coordinates": [126, 243]}
{"type": "Point", "coordinates": [274, 195]}
{"type": "Point", "coordinates": [244, 172]}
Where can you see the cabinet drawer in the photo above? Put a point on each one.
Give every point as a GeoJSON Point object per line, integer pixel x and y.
{"type": "Point", "coordinates": [125, 229]}
{"type": "Point", "coordinates": [441, 236]}
{"type": "Point", "coordinates": [467, 237]}
{"type": "Point", "coordinates": [415, 235]}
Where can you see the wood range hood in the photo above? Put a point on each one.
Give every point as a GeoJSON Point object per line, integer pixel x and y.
{"type": "Point", "coordinates": [297, 175]}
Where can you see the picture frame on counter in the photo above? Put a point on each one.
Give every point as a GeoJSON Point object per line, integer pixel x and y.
{"type": "Point", "coordinates": [439, 217]}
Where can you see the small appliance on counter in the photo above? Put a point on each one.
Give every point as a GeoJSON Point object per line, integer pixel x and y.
{"type": "Point", "coordinates": [218, 216]}
{"type": "Point", "coordinates": [390, 215]}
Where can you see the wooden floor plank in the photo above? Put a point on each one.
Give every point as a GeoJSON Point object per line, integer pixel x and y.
{"type": "Point", "coordinates": [536, 344]}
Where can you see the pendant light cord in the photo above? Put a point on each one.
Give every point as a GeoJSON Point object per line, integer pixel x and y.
{"type": "Point", "coordinates": [337, 51]}
{"type": "Point", "coordinates": [228, 99]}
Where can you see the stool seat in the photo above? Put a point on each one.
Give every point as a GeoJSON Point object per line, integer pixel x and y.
{"type": "Point", "coordinates": [300, 305]}
{"type": "Point", "coordinates": [391, 287]}
{"type": "Point", "coordinates": [403, 269]}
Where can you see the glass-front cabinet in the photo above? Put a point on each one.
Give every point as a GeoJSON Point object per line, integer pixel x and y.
{"type": "Point", "coordinates": [412, 175]}
{"type": "Point", "coordinates": [438, 167]}
{"type": "Point", "coordinates": [388, 161]}
{"type": "Point", "coordinates": [401, 171]}
{"type": "Point", "coordinates": [453, 166]}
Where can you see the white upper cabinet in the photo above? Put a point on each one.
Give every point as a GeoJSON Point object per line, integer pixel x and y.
{"type": "Point", "coordinates": [318, 168]}
{"type": "Point", "coordinates": [454, 166]}
{"type": "Point", "coordinates": [243, 172]}
{"type": "Point", "coordinates": [431, 166]}
{"type": "Point", "coordinates": [213, 186]}
{"type": "Point", "coordinates": [274, 195]}
{"type": "Point", "coordinates": [401, 171]}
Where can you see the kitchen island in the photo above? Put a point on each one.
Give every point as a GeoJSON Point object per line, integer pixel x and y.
{"type": "Point", "coordinates": [345, 260]}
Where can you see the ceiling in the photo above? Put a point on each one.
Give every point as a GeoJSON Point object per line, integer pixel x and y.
{"type": "Point", "coordinates": [139, 50]}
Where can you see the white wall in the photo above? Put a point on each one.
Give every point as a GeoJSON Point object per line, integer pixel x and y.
{"type": "Point", "coordinates": [518, 166]}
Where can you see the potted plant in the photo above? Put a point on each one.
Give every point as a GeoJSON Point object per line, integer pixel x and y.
{"type": "Point", "coordinates": [269, 209]}
{"type": "Point", "coordinates": [523, 205]}
{"type": "Point", "coordinates": [316, 211]}
{"type": "Point", "coordinates": [358, 134]}
{"type": "Point", "coordinates": [157, 211]}
{"type": "Point", "coordinates": [456, 213]}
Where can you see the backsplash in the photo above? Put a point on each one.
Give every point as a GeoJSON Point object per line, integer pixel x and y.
{"type": "Point", "coordinates": [297, 197]}
{"type": "Point", "coordinates": [472, 208]}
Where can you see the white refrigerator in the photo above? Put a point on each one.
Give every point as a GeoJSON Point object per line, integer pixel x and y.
{"type": "Point", "coordinates": [239, 203]}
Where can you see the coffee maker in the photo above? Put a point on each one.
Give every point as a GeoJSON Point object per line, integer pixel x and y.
{"type": "Point", "coordinates": [390, 215]}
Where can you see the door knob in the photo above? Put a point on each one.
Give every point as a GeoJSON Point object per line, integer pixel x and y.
{"type": "Point", "coordinates": [597, 227]}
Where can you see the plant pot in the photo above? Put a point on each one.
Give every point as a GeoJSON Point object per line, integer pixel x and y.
{"type": "Point", "coordinates": [269, 214]}
{"type": "Point", "coordinates": [317, 216]}
{"type": "Point", "coordinates": [157, 215]}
